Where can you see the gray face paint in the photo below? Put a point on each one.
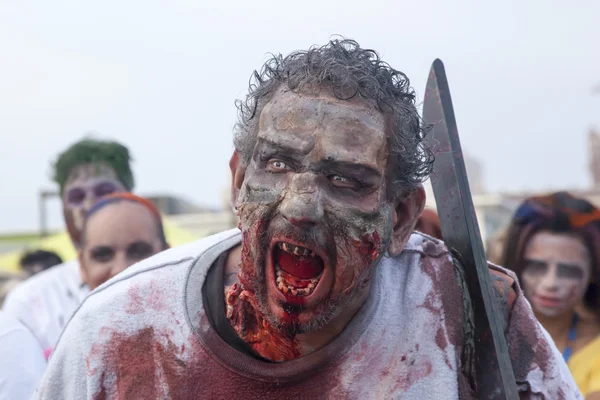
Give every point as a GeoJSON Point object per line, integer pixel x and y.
{"type": "Point", "coordinates": [87, 184]}
{"type": "Point", "coordinates": [316, 181]}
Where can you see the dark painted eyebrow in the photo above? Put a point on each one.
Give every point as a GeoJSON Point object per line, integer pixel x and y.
{"type": "Point", "coordinates": [102, 247]}
{"type": "Point", "coordinates": [534, 261]}
{"type": "Point", "coordinates": [274, 146]}
{"type": "Point", "coordinates": [139, 242]}
{"type": "Point", "coordinates": [574, 266]}
{"type": "Point", "coordinates": [563, 265]}
{"type": "Point", "coordinates": [348, 167]}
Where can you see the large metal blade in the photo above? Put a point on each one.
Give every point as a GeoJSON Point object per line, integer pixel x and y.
{"type": "Point", "coordinates": [494, 375]}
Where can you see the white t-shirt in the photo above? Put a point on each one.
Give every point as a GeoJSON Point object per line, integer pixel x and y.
{"type": "Point", "coordinates": [21, 361]}
{"type": "Point", "coordinates": [45, 302]}
{"type": "Point", "coordinates": [145, 334]}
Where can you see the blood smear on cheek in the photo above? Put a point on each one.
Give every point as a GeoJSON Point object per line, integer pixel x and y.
{"type": "Point", "coordinates": [369, 245]}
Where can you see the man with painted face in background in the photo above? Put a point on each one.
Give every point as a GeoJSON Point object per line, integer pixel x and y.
{"type": "Point", "coordinates": [323, 292]}
{"type": "Point", "coordinates": [86, 172]}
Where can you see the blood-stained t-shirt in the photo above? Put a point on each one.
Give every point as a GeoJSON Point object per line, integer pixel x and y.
{"type": "Point", "coordinates": [145, 334]}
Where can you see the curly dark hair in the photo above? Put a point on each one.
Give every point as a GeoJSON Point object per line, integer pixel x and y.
{"type": "Point", "coordinates": [347, 70]}
{"type": "Point", "coordinates": [94, 151]}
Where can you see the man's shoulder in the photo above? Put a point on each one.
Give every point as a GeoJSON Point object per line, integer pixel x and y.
{"type": "Point", "coordinates": [506, 284]}
{"type": "Point", "coordinates": [46, 280]}
{"type": "Point", "coordinates": [435, 254]}
{"type": "Point", "coordinates": [426, 245]}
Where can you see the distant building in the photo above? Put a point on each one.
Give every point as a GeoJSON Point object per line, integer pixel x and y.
{"type": "Point", "coordinates": [475, 174]}
{"type": "Point", "coordinates": [594, 156]}
{"type": "Point", "coordinates": [171, 205]}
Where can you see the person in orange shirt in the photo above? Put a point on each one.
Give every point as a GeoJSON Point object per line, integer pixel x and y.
{"type": "Point", "coordinates": [553, 245]}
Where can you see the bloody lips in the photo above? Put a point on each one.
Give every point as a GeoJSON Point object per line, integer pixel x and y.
{"type": "Point", "coordinates": [298, 269]}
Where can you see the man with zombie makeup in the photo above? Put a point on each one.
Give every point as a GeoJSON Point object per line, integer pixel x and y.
{"type": "Point", "coordinates": [323, 292]}
{"type": "Point", "coordinates": [85, 172]}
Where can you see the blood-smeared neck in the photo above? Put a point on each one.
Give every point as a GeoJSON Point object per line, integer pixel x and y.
{"type": "Point", "coordinates": [251, 326]}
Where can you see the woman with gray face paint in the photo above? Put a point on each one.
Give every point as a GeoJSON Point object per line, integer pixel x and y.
{"type": "Point", "coordinates": [553, 245]}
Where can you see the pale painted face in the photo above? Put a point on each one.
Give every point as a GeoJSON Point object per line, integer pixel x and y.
{"type": "Point", "coordinates": [87, 183]}
{"type": "Point", "coordinates": [557, 272]}
{"type": "Point", "coordinates": [116, 237]}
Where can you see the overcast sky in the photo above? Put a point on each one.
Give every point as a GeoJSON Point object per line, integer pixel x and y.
{"type": "Point", "coordinates": [162, 77]}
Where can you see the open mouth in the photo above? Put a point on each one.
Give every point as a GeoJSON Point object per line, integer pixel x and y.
{"type": "Point", "coordinates": [298, 270]}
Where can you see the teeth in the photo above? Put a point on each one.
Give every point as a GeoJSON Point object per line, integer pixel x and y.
{"type": "Point", "coordinates": [297, 250]}
{"type": "Point", "coordinates": [286, 288]}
